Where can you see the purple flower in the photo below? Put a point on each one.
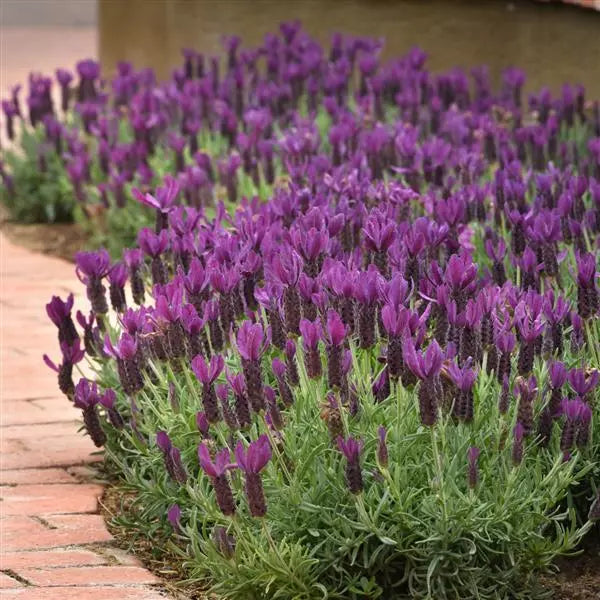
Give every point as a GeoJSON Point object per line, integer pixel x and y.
{"type": "Point", "coordinates": [351, 448]}
{"type": "Point", "coordinates": [163, 202]}
{"type": "Point", "coordinates": [217, 471]}
{"type": "Point", "coordinates": [588, 299]}
{"type": "Point", "coordinates": [86, 397]}
{"type": "Point", "coordinates": [126, 347]}
{"type": "Point", "coordinates": [108, 401]}
{"type": "Point", "coordinates": [335, 330]}
{"type": "Point", "coordinates": [172, 458]}
{"type": "Point", "coordinates": [312, 333]}
{"type": "Point", "coordinates": [126, 355]}
{"type": "Point", "coordinates": [472, 456]}
{"type": "Point", "coordinates": [174, 517]}
{"type": "Point", "coordinates": [583, 382]}
{"type": "Point", "coordinates": [207, 373]}
{"type": "Point", "coordinates": [423, 364]}
{"type": "Point", "coordinates": [60, 314]}
{"type": "Point", "coordinates": [202, 423]}
{"type": "Point", "coordinates": [92, 264]}
{"type": "Point", "coordinates": [91, 268]}
{"type": "Point", "coordinates": [518, 439]}
{"type": "Point", "coordinates": [71, 355]}
{"type": "Point", "coordinates": [86, 394]}
{"type": "Point", "coordinates": [382, 449]}
{"type": "Point", "coordinates": [256, 457]}
{"type": "Point", "coordinates": [252, 461]}
{"type": "Point", "coordinates": [251, 341]}
{"type": "Point", "coordinates": [151, 243]}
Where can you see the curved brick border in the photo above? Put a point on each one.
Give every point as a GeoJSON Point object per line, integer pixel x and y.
{"type": "Point", "coordinates": [54, 543]}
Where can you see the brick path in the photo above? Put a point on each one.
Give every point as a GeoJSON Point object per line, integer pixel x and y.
{"type": "Point", "coordinates": [54, 543]}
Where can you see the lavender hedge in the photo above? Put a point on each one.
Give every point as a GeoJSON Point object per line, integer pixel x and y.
{"type": "Point", "coordinates": [379, 376]}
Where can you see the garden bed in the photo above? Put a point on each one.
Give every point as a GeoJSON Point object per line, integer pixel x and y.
{"type": "Point", "coordinates": [345, 335]}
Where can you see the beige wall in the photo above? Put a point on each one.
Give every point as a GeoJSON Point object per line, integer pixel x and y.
{"type": "Point", "coordinates": [15, 13]}
{"type": "Point", "coordinates": [554, 43]}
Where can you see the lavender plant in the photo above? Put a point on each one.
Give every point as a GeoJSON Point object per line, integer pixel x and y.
{"type": "Point", "coordinates": [380, 377]}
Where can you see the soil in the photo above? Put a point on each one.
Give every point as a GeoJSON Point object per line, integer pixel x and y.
{"type": "Point", "coordinates": [167, 566]}
{"type": "Point", "coordinates": [579, 576]}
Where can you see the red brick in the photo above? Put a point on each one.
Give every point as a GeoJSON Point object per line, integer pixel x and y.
{"type": "Point", "coordinates": [7, 582]}
{"type": "Point", "coordinates": [53, 538]}
{"type": "Point", "coordinates": [40, 431]}
{"type": "Point", "coordinates": [120, 556]}
{"type": "Point", "coordinates": [17, 561]}
{"type": "Point", "coordinates": [70, 522]}
{"type": "Point", "coordinates": [84, 593]}
{"type": "Point", "coordinates": [86, 576]}
{"type": "Point", "coordinates": [20, 526]}
{"type": "Point", "coordinates": [53, 458]}
{"type": "Point", "coordinates": [51, 409]}
{"type": "Point", "coordinates": [45, 499]}
{"type": "Point", "coordinates": [25, 476]}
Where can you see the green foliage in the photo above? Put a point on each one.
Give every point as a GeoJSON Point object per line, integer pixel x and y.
{"type": "Point", "coordinates": [417, 530]}
{"type": "Point", "coordinates": [38, 196]}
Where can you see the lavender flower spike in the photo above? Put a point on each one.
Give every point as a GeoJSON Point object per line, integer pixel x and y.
{"type": "Point", "coordinates": [91, 268]}
{"type": "Point", "coordinates": [59, 313]}
{"type": "Point", "coordinates": [251, 344]}
{"type": "Point", "coordinates": [351, 449]}
{"type": "Point", "coordinates": [87, 397]}
{"type": "Point", "coordinates": [217, 471]}
{"type": "Point", "coordinates": [252, 461]}
{"type": "Point", "coordinates": [207, 374]}
{"type": "Point", "coordinates": [472, 455]}
{"type": "Point", "coordinates": [71, 355]}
